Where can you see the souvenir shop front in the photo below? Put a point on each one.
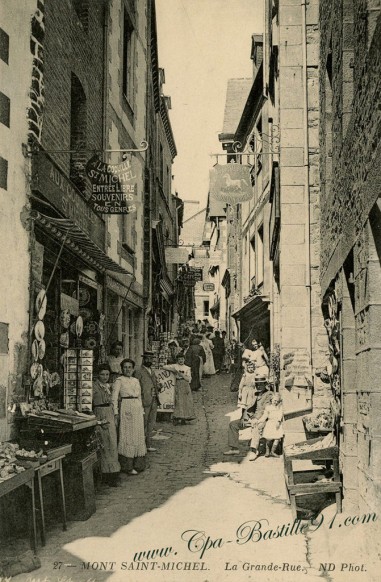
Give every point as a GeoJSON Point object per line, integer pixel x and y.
{"type": "Point", "coordinates": [55, 430]}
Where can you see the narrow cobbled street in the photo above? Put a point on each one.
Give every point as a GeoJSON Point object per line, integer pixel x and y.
{"type": "Point", "coordinates": [190, 487]}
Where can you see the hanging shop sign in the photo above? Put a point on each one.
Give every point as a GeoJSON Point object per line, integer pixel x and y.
{"type": "Point", "coordinates": [114, 187]}
{"type": "Point", "coordinates": [208, 287]}
{"type": "Point", "coordinates": [231, 183]}
{"type": "Point", "coordinates": [176, 255]}
{"type": "Point", "coordinates": [190, 276]}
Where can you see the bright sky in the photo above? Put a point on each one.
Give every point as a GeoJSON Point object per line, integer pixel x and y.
{"type": "Point", "coordinates": [202, 44]}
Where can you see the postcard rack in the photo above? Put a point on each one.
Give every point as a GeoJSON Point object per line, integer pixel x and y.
{"type": "Point", "coordinates": [298, 482]}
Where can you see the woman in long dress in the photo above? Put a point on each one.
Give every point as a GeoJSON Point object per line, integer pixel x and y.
{"type": "Point", "coordinates": [184, 408]}
{"type": "Point", "coordinates": [104, 411]}
{"type": "Point", "coordinates": [132, 446]}
{"type": "Point", "coordinates": [207, 344]}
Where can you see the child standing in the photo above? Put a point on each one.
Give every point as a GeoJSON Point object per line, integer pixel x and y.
{"type": "Point", "coordinates": [273, 430]}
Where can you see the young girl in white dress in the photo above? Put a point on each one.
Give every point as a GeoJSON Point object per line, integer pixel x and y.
{"type": "Point", "coordinates": [273, 430]}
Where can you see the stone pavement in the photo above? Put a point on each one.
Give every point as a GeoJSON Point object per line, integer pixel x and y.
{"type": "Point", "coordinates": [205, 515]}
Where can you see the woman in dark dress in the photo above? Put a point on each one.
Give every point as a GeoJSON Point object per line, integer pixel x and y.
{"type": "Point", "coordinates": [104, 411]}
{"type": "Point", "coordinates": [195, 357]}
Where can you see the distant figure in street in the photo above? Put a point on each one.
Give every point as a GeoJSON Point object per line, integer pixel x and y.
{"type": "Point", "coordinates": [150, 396]}
{"type": "Point", "coordinates": [207, 345]}
{"type": "Point", "coordinates": [184, 408]}
{"type": "Point", "coordinates": [273, 430]}
{"type": "Point", "coordinates": [115, 359]}
{"type": "Point", "coordinates": [226, 362]}
{"type": "Point", "coordinates": [195, 357]}
{"type": "Point", "coordinates": [250, 417]}
{"type": "Point", "coordinates": [218, 351]}
{"type": "Point", "coordinates": [104, 411]}
{"type": "Point", "coordinates": [130, 418]}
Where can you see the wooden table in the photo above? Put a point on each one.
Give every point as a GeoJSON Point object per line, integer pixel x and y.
{"type": "Point", "coordinates": [297, 482]}
{"type": "Point", "coordinates": [24, 478]}
{"type": "Point", "coordinates": [46, 469]}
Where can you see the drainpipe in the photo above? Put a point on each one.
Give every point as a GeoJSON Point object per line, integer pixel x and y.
{"type": "Point", "coordinates": [306, 178]}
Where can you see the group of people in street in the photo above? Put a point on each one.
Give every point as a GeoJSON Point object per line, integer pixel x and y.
{"type": "Point", "coordinates": [261, 409]}
{"type": "Point", "coordinates": [126, 398]}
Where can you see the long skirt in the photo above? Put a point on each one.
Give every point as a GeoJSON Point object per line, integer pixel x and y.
{"type": "Point", "coordinates": [131, 429]}
{"type": "Point", "coordinates": [209, 368]}
{"type": "Point", "coordinates": [184, 408]}
{"type": "Point", "coordinates": [109, 446]}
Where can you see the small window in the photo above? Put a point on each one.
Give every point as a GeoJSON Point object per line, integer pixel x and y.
{"type": "Point", "coordinates": [206, 309]}
{"type": "Point", "coordinates": [128, 60]}
{"type": "Point", "coordinates": [4, 46]}
{"type": "Point", "coordinates": [3, 173]}
{"type": "Point", "coordinates": [5, 109]}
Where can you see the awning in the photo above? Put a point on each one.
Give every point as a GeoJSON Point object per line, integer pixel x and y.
{"type": "Point", "coordinates": [77, 241]}
{"type": "Point", "coordinates": [256, 308]}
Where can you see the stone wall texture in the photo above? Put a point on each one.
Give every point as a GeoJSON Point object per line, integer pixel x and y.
{"type": "Point", "coordinates": [350, 161]}
{"type": "Point", "coordinates": [350, 153]}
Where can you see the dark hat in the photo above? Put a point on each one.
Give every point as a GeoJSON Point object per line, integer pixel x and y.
{"type": "Point", "coordinates": [148, 353]}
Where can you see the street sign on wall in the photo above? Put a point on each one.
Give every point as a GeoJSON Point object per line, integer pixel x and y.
{"type": "Point", "coordinates": [208, 287]}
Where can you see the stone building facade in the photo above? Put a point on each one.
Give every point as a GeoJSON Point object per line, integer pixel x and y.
{"type": "Point", "coordinates": [350, 161]}
{"type": "Point", "coordinates": [20, 56]}
{"type": "Point", "coordinates": [80, 71]}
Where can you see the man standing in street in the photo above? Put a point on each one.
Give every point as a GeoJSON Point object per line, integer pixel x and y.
{"type": "Point", "coordinates": [218, 351]}
{"type": "Point", "coordinates": [250, 417]}
{"type": "Point", "coordinates": [150, 398]}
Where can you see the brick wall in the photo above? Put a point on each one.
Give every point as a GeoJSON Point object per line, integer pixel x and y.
{"type": "Point", "coordinates": [70, 49]}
